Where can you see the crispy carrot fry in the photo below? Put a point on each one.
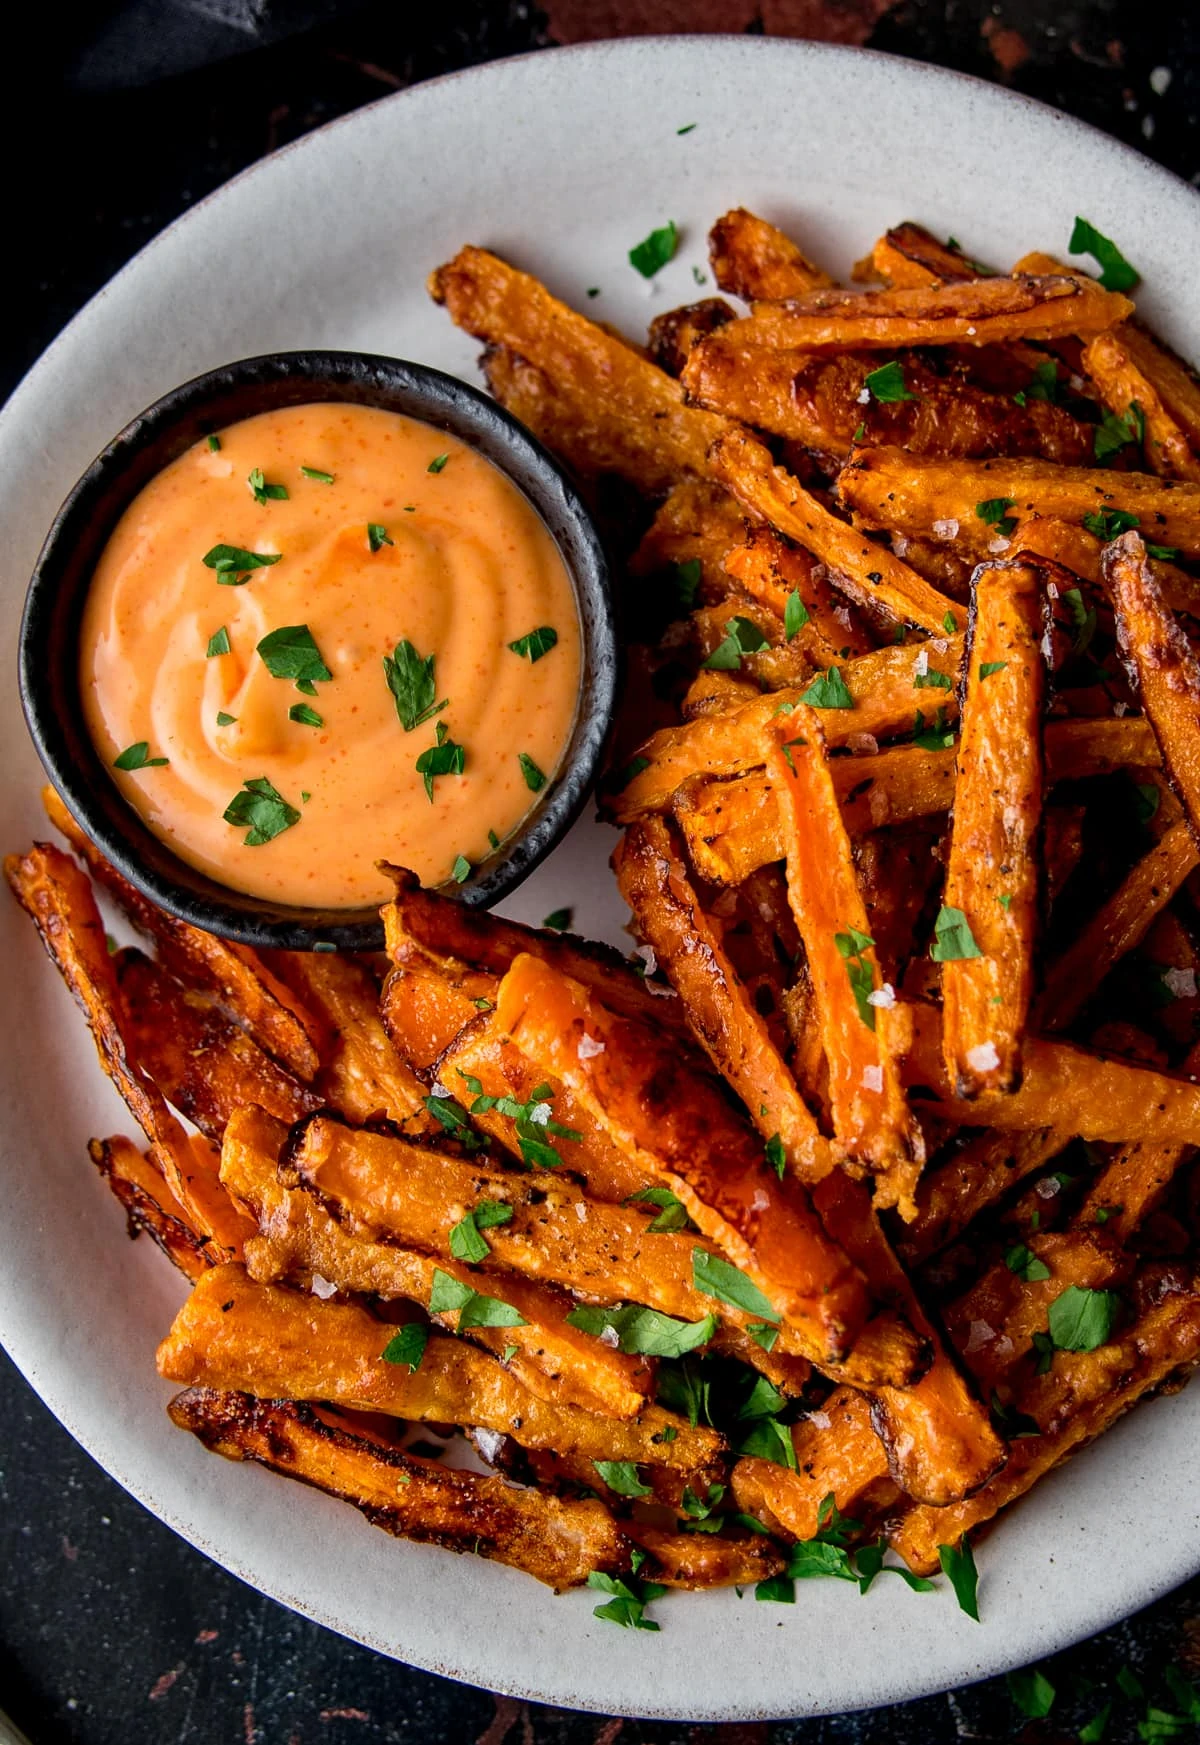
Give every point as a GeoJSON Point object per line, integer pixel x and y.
{"type": "Point", "coordinates": [838, 1454]}
{"type": "Point", "coordinates": [1125, 391]}
{"type": "Point", "coordinates": [689, 1137]}
{"type": "Point", "coordinates": [862, 1040]}
{"type": "Point", "coordinates": [673, 334]}
{"type": "Point", "coordinates": [236, 1335]}
{"type": "Point", "coordinates": [1064, 1086]}
{"type": "Point", "coordinates": [1083, 1393]}
{"type": "Point", "coordinates": [1128, 1188]}
{"type": "Point", "coordinates": [772, 571]}
{"type": "Point", "coordinates": [235, 973]}
{"type": "Point", "coordinates": [688, 945]}
{"type": "Point", "coordinates": [299, 1240]}
{"type": "Point", "coordinates": [885, 688]}
{"type": "Point", "coordinates": [199, 1059]}
{"type": "Point", "coordinates": [1118, 926]}
{"type": "Point", "coordinates": [700, 1560]}
{"type": "Point", "coordinates": [697, 522]}
{"type": "Point", "coordinates": [560, 1542]}
{"type": "Point", "coordinates": [909, 255]}
{"type": "Point", "coordinates": [751, 258]}
{"type": "Point", "coordinates": [992, 873]}
{"type": "Point", "coordinates": [1168, 673]}
{"type": "Point", "coordinates": [1070, 544]}
{"type": "Point", "coordinates": [977, 312]}
{"type": "Point", "coordinates": [660, 439]}
{"type": "Point", "coordinates": [150, 1205]}
{"type": "Point", "coordinates": [1172, 379]}
{"type": "Point", "coordinates": [885, 489]}
{"type": "Point", "coordinates": [870, 571]}
{"type": "Point", "coordinates": [978, 1173]}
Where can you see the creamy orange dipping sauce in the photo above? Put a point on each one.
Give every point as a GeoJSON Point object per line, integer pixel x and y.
{"type": "Point", "coordinates": [462, 568]}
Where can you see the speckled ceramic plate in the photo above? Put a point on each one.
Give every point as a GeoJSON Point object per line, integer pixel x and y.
{"type": "Point", "coordinates": [560, 161]}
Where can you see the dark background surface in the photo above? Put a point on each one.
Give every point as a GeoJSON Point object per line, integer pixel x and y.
{"type": "Point", "coordinates": [115, 119]}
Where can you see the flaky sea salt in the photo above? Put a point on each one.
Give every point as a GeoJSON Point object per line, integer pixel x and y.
{"type": "Point", "coordinates": [588, 1047]}
{"type": "Point", "coordinates": [822, 1420]}
{"type": "Point", "coordinates": [321, 1287]}
{"type": "Point", "coordinates": [980, 1334]}
{"type": "Point", "coordinates": [1182, 983]}
{"type": "Point", "coordinates": [489, 1444]}
{"type": "Point", "coordinates": [864, 398]}
{"type": "Point", "coordinates": [864, 744]}
{"type": "Point", "coordinates": [983, 1057]}
{"type": "Point", "coordinates": [540, 1114]}
{"type": "Point", "coordinates": [1048, 1188]}
{"type": "Point", "coordinates": [921, 664]}
{"type": "Point", "coordinates": [946, 529]}
{"type": "Point", "coordinates": [999, 544]}
{"type": "Point", "coordinates": [439, 1090]}
{"type": "Point", "coordinates": [610, 1336]}
{"type": "Point", "coordinates": [872, 1078]}
{"type": "Point", "coordinates": [646, 953]}
{"type": "Point", "coordinates": [884, 997]}
{"type": "Point", "coordinates": [581, 1211]}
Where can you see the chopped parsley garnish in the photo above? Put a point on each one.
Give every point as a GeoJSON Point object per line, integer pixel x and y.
{"type": "Point", "coordinates": [763, 1334]}
{"type": "Point", "coordinates": [672, 1213]}
{"type": "Point", "coordinates": [1032, 1692]}
{"type": "Point", "coordinates": [887, 384]}
{"type": "Point", "coordinates": [644, 1332]}
{"type": "Point", "coordinates": [493, 839]}
{"type": "Point", "coordinates": [699, 277]}
{"type": "Point", "coordinates": [460, 872]}
{"type": "Point", "coordinates": [950, 624]}
{"type": "Point", "coordinates": [1025, 1264]}
{"type": "Point", "coordinates": [305, 715]}
{"type": "Point", "coordinates": [988, 667]}
{"type": "Point", "coordinates": [291, 653]}
{"type": "Point", "coordinates": [437, 463]}
{"type": "Point", "coordinates": [1116, 431]}
{"type": "Point", "coordinates": [224, 719]}
{"type": "Point", "coordinates": [535, 780]}
{"type": "Point", "coordinates": [936, 735]}
{"type": "Point", "coordinates": [621, 1476]}
{"type": "Point", "coordinates": [558, 920]}
{"type": "Point", "coordinates": [859, 433]}
{"type": "Point", "coordinates": [652, 254]}
{"type": "Point", "coordinates": [958, 1564]}
{"type": "Point", "coordinates": [452, 1117]}
{"type": "Point", "coordinates": [214, 442]}
{"type": "Point", "coordinates": [851, 946]}
{"type": "Point", "coordinates": [994, 512]}
{"type": "Point", "coordinates": [775, 1155]}
{"type": "Point", "coordinates": [137, 756]}
{"type": "Point", "coordinates": [828, 691]}
{"type": "Point", "coordinates": [446, 758]}
{"type": "Point", "coordinates": [377, 535]}
{"type": "Point", "coordinates": [410, 679]}
{"type": "Point", "coordinates": [1083, 618]}
{"type": "Point", "coordinates": [233, 563]}
{"type": "Point", "coordinates": [593, 290]}
{"type": "Point", "coordinates": [932, 681]}
{"type": "Point", "coordinates": [218, 643]}
{"type": "Point", "coordinates": [262, 492]}
{"type": "Point", "coordinates": [466, 1243]}
{"type": "Point", "coordinates": [742, 636]}
{"type": "Point", "coordinates": [317, 475]}
{"type": "Point", "coordinates": [767, 1439]}
{"type": "Point", "coordinates": [1164, 553]}
{"type": "Point", "coordinates": [407, 1346]}
{"type": "Point", "coordinates": [715, 1277]}
{"type": "Point", "coordinates": [1110, 523]}
{"type": "Point", "coordinates": [536, 644]}
{"type": "Point", "coordinates": [1116, 274]}
{"type": "Point", "coordinates": [688, 129]}
{"type": "Point", "coordinates": [263, 809]}
{"type": "Point", "coordinates": [633, 768]}
{"type": "Point", "coordinates": [795, 615]}
{"type": "Point", "coordinates": [1149, 799]}
{"type": "Point", "coordinates": [1081, 1319]}
{"type": "Point", "coordinates": [533, 1121]}
{"type": "Point", "coordinates": [1044, 385]}
{"type": "Point", "coordinates": [474, 1309]}
{"type": "Point", "coordinates": [1005, 900]}
{"type": "Point", "coordinates": [952, 937]}
{"type": "Point", "coordinates": [628, 1604]}
{"type": "Point", "coordinates": [685, 580]}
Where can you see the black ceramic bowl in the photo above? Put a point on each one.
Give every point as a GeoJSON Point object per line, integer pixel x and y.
{"type": "Point", "coordinates": [49, 652]}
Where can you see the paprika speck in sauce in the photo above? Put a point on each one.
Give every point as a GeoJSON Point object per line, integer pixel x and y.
{"type": "Point", "coordinates": [327, 636]}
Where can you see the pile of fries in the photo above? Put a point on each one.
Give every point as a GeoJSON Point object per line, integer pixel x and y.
{"type": "Point", "coordinates": [909, 776]}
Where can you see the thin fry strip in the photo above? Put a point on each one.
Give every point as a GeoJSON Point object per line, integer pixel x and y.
{"type": "Point", "coordinates": [1129, 394]}
{"type": "Point", "coordinates": [1128, 1188]}
{"type": "Point", "coordinates": [772, 571]}
{"type": "Point", "coordinates": [870, 571]}
{"type": "Point", "coordinates": [978, 1174]}
{"type": "Point", "coordinates": [234, 972]}
{"type": "Point", "coordinates": [703, 1560]}
{"type": "Point", "coordinates": [908, 254]}
{"type": "Point", "coordinates": [150, 1205]}
{"type": "Point", "coordinates": [654, 882]}
{"type": "Point", "coordinates": [1071, 545]}
{"type": "Point", "coordinates": [389, 1190]}
{"type": "Point", "coordinates": [978, 312]}
{"type": "Point", "coordinates": [751, 258]}
{"type": "Point", "coordinates": [838, 1454]}
{"type": "Point", "coordinates": [610, 382]}
{"type": "Point", "coordinates": [299, 1240]}
{"type": "Point", "coordinates": [1171, 378]}
{"type": "Point", "coordinates": [992, 872]}
{"type": "Point", "coordinates": [862, 1039]}
{"type": "Point", "coordinates": [884, 489]}
{"type": "Point", "coordinates": [235, 1335]}
{"type": "Point", "coordinates": [689, 1138]}
{"type": "Point", "coordinates": [558, 1541]}
{"type": "Point", "coordinates": [1117, 927]}
{"type": "Point", "coordinates": [1083, 1394]}
{"type": "Point", "coordinates": [884, 697]}
{"type": "Point", "coordinates": [1168, 672]}
{"type": "Point", "coordinates": [1085, 1094]}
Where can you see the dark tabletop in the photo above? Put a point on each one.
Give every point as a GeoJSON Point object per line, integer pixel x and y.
{"type": "Point", "coordinates": [116, 117]}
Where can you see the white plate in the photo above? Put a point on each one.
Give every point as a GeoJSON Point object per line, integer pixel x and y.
{"type": "Point", "coordinates": [560, 161]}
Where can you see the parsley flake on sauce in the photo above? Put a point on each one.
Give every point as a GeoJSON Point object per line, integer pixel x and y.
{"type": "Point", "coordinates": [437, 463]}
{"type": "Point", "coordinates": [652, 254]}
{"type": "Point", "coordinates": [446, 758]}
{"type": "Point", "coordinates": [377, 535]}
{"type": "Point", "coordinates": [233, 563]}
{"type": "Point", "coordinates": [410, 679]}
{"type": "Point", "coordinates": [317, 475]}
{"type": "Point", "coordinates": [224, 719]}
{"type": "Point", "coordinates": [263, 808]}
{"type": "Point", "coordinates": [1081, 1320]}
{"type": "Point", "coordinates": [460, 872]}
{"type": "Point", "coordinates": [621, 1476]}
{"type": "Point", "coordinates": [291, 653]}
{"type": "Point", "coordinates": [672, 1214]}
{"type": "Point", "coordinates": [137, 756]}
{"type": "Point", "coordinates": [306, 716]}
{"type": "Point", "coordinates": [214, 443]}
{"type": "Point", "coordinates": [1116, 431]}
{"type": "Point", "coordinates": [536, 644]}
{"type": "Point", "coordinates": [535, 779]}
{"type": "Point", "coordinates": [218, 643]}
{"type": "Point", "coordinates": [262, 492]}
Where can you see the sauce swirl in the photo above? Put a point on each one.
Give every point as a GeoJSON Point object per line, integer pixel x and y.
{"type": "Point", "coordinates": [350, 637]}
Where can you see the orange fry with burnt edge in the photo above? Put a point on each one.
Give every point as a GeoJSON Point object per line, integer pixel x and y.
{"type": "Point", "coordinates": [992, 874]}
{"type": "Point", "coordinates": [863, 1037]}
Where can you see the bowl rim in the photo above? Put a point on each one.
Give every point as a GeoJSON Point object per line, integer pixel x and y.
{"type": "Point", "coordinates": [48, 683]}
